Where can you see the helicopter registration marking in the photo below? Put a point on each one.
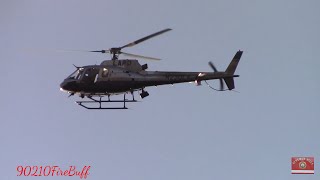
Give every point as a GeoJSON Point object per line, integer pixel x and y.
{"type": "Point", "coordinates": [122, 63]}
{"type": "Point", "coordinates": [178, 77]}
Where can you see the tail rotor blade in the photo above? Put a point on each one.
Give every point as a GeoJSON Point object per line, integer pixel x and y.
{"type": "Point", "coordinates": [215, 70]}
{"type": "Point", "coordinates": [221, 85]}
{"type": "Point", "coordinates": [213, 67]}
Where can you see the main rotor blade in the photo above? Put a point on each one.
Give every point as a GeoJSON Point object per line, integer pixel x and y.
{"type": "Point", "coordinates": [70, 50]}
{"type": "Point", "coordinates": [56, 50]}
{"type": "Point", "coordinates": [101, 51]}
{"type": "Point", "coordinates": [78, 50]}
{"type": "Point", "coordinates": [145, 38]}
{"type": "Point", "coordinates": [139, 56]}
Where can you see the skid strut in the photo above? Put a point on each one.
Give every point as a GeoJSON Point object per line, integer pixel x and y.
{"type": "Point", "coordinates": [100, 102]}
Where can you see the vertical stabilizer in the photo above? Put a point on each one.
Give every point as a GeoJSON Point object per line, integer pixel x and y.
{"type": "Point", "coordinates": [234, 63]}
{"type": "Point", "coordinates": [231, 69]}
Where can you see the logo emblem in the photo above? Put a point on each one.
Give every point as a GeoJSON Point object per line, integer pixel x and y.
{"type": "Point", "coordinates": [302, 165]}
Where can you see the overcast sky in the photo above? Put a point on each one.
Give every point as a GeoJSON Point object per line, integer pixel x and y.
{"type": "Point", "coordinates": [178, 132]}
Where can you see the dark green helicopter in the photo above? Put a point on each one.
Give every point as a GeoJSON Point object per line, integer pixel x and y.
{"type": "Point", "coordinates": [123, 76]}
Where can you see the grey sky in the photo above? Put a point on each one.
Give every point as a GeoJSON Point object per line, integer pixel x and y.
{"type": "Point", "coordinates": [178, 132]}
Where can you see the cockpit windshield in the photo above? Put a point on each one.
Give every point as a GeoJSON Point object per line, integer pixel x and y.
{"type": "Point", "coordinates": [76, 74]}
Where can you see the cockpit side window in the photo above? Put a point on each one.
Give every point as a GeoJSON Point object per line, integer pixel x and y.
{"type": "Point", "coordinates": [80, 72]}
{"type": "Point", "coordinates": [89, 75]}
{"type": "Point", "coordinates": [105, 72]}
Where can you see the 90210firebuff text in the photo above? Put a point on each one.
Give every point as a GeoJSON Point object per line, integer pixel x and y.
{"type": "Point", "coordinates": [52, 171]}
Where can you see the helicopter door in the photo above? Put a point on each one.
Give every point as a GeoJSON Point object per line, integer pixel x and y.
{"type": "Point", "coordinates": [90, 75]}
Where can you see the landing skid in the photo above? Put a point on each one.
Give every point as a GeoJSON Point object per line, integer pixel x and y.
{"type": "Point", "coordinates": [100, 102]}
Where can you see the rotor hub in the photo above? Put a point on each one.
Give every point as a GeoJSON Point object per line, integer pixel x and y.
{"type": "Point", "coordinates": [115, 50]}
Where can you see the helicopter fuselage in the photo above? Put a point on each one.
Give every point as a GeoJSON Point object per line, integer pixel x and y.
{"type": "Point", "coordinates": [121, 76]}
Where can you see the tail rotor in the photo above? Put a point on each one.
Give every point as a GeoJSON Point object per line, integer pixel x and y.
{"type": "Point", "coordinates": [221, 80]}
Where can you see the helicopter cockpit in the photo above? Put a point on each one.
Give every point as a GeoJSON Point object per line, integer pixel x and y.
{"type": "Point", "coordinates": [76, 74]}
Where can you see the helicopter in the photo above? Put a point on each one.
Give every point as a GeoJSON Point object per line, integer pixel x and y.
{"type": "Point", "coordinates": [126, 76]}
